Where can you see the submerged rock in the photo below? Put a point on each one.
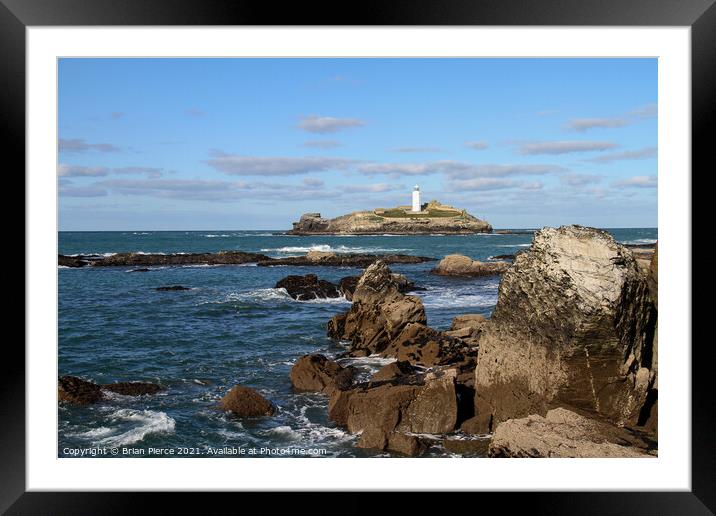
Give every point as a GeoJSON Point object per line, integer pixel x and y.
{"type": "Point", "coordinates": [220, 258]}
{"type": "Point", "coordinates": [569, 311]}
{"type": "Point", "coordinates": [170, 288]}
{"type": "Point", "coordinates": [316, 373]}
{"type": "Point", "coordinates": [305, 288]}
{"type": "Point", "coordinates": [246, 402]}
{"type": "Point", "coordinates": [459, 265]}
{"type": "Point", "coordinates": [133, 388]}
{"type": "Point", "coordinates": [77, 391]}
{"type": "Point", "coordinates": [563, 433]}
{"type": "Point", "coordinates": [71, 261]}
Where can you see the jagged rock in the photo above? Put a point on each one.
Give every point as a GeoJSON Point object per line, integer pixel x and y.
{"type": "Point", "coordinates": [77, 391]}
{"type": "Point", "coordinates": [381, 413]}
{"type": "Point", "coordinates": [132, 388]}
{"type": "Point", "coordinates": [348, 285]}
{"type": "Point", "coordinates": [305, 288]}
{"type": "Point", "coordinates": [569, 310]}
{"type": "Point", "coordinates": [393, 370]}
{"type": "Point", "coordinates": [220, 258]}
{"type": "Point", "coordinates": [379, 311]}
{"type": "Point", "coordinates": [422, 345]}
{"type": "Point", "coordinates": [317, 256]}
{"type": "Point", "coordinates": [563, 433]}
{"type": "Point", "coordinates": [460, 265]}
{"type": "Point", "coordinates": [337, 327]}
{"type": "Point", "coordinates": [171, 288]}
{"type": "Point", "coordinates": [316, 373]}
{"type": "Point", "coordinates": [471, 321]}
{"type": "Point", "coordinates": [246, 402]}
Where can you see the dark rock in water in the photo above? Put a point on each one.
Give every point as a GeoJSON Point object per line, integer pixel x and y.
{"type": "Point", "coordinates": [171, 288]}
{"type": "Point", "coordinates": [422, 345]}
{"type": "Point", "coordinates": [220, 258]}
{"type": "Point", "coordinates": [574, 324]}
{"type": "Point", "coordinates": [132, 388]}
{"type": "Point", "coordinates": [246, 402]}
{"type": "Point", "coordinates": [71, 261]}
{"type": "Point", "coordinates": [316, 373]}
{"type": "Point", "coordinates": [76, 391]}
{"type": "Point", "coordinates": [386, 414]}
{"type": "Point", "coordinates": [467, 447]}
{"type": "Point", "coordinates": [393, 370]}
{"type": "Point", "coordinates": [304, 288]}
{"type": "Point", "coordinates": [344, 260]}
{"type": "Point", "coordinates": [459, 265]}
{"type": "Point", "coordinates": [348, 285]}
{"type": "Point", "coordinates": [144, 269]}
{"type": "Point", "coordinates": [503, 257]}
{"type": "Point", "coordinates": [563, 433]}
{"type": "Point", "coordinates": [379, 312]}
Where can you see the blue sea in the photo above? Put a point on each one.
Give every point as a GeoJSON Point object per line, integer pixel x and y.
{"type": "Point", "coordinates": [232, 327]}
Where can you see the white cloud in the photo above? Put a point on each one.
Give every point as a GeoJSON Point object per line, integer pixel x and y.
{"type": "Point", "coordinates": [579, 179]}
{"type": "Point", "coordinates": [645, 153]}
{"type": "Point", "coordinates": [66, 170]}
{"type": "Point", "coordinates": [274, 166]}
{"type": "Point", "coordinates": [398, 169]}
{"type": "Point", "coordinates": [327, 124]}
{"type": "Point", "coordinates": [584, 124]}
{"type": "Point", "coordinates": [477, 145]}
{"type": "Point", "coordinates": [637, 182]}
{"type": "Point", "coordinates": [322, 144]}
{"type": "Point", "coordinates": [80, 145]}
{"type": "Point", "coordinates": [565, 147]}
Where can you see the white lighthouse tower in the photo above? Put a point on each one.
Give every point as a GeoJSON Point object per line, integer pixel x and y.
{"type": "Point", "coordinates": [416, 199]}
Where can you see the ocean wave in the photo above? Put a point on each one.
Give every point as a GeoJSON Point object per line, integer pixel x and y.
{"type": "Point", "coordinates": [326, 248]}
{"type": "Point", "coordinates": [146, 422]}
{"type": "Point", "coordinates": [482, 296]}
{"type": "Point", "coordinates": [638, 241]}
{"type": "Point", "coordinates": [512, 245]}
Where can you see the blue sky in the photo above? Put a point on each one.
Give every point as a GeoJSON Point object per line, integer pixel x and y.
{"type": "Point", "coordinates": [156, 144]}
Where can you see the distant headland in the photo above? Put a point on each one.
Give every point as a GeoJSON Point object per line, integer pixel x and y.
{"type": "Point", "coordinates": [429, 218]}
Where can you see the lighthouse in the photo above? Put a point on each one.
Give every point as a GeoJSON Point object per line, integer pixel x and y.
{"type": "Point", "coordinates": [416, 199]}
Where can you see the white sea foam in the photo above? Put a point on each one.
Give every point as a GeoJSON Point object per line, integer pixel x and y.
{"type": "Point", "coordinates": [328, 248]}
{"type": "Point", "coordinates": [465, 296]}
{"type": "Point", "coordinates": [638, 241]}
{"type": "Point", "coordinates": [94, 433]}
{"type": "Point", "coordinates": [146, 422]}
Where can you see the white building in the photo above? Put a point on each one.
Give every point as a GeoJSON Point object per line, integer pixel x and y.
{"type": "Point", "coordinates": [416, 199]}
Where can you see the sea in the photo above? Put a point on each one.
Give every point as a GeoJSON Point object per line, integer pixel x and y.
{"type": "Point", "coordinates": [233, 327]}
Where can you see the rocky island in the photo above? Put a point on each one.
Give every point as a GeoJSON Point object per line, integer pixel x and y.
{"type": "Point", "coordinates": [419, 219]}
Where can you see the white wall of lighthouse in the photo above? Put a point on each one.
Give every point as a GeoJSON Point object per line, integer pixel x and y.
{"type": "Point", "coordinates": [416, 198]}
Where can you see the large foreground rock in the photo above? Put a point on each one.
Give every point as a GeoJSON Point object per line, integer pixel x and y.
{"type": "Point", "coordinates": [316, 373]}
{"type": "Point", "coordinates": [562, 433]}
{"type": "Point", "coordinates": [379, 312]}
{"type": "Point", "coordinates": [574, 323]}
{"type": "Point", "coordinates": [305, 288]}
{"type": "Point", "coordinates": [422, 345]}
{"type": "Point", "coordinates": [460, 265]}
{"type": "Point", "coordinates": [387, 414]}
{"type": "Point", "coordinates": [246, 402]}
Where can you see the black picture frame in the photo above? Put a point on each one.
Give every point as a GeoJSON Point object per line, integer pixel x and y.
{"type": "Point", "coordinates": [699, 15]}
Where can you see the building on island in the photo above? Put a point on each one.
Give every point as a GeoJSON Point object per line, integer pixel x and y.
{"type": "Point", "coordinates": [416, 199]}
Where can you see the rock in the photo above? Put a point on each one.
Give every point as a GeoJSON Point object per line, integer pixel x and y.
{"type": "Point", "coordinates": [317, 256]}
{"type": "Point", "coordinates": [471, 321]}
{"type": "Point", "coordinates": [348, 285]}
{"type": "Point", "coordinates": [71, 261]}
{"type": "Point", "coordinates": [653, 278]}
{"type": "Point", "coordinates": [246, 402]}
{"type": "Point", "coordinates": [379, 311]}
{"type": "Point", "coordinates": [220, 258]}
{"type": "Point", "coordinates": [422, 345]}
{"type": "Point", "coordinates": [76, 391]}
{"type": "Point", "coordinates": [459, 265]}
{"type": "Point", "coordinates": [337, 327]}
{"type": "Point", "coordinates": [171, 288]}
{"type": "Point", "coordinates": [132, 388]}
{"type": "Point", "coordinates": [467, 447]}
{"type": "Point", "coordinates": [381, 413]}
{"type": "Point", "coordinates": [305, 288]}
{"type": "Point", "coordinates": [316, 373]}
{"type": "Point", "coordinates": [503, 257]}
{"type": "Point", "coordinates": [344, 260]}
{"type": "Point", "coordinates": [563, 433]}
{"type": "Point", "coordinates": [438, 219]}
{"type": "Point", "coordinates": [392, 371]}
{"type": "Point", "coordinates": [569, 311]}
{"type": "Point", "coordinates": [143, 269]}
{"type": "Point", "coordinates": [472, 426]}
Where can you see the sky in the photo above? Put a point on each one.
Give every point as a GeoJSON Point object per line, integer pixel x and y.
{"type": "Point", "coordinates": [194, 144]}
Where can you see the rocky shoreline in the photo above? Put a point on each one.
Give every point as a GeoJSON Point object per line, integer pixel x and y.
{"type": "Point", "coordinates": [312, 258]}
{"type": "Point", "coordinates": [565, 367]}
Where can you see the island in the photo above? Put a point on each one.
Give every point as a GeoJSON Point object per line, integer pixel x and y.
{"type": "Point", "coordinates": [429, 218]}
